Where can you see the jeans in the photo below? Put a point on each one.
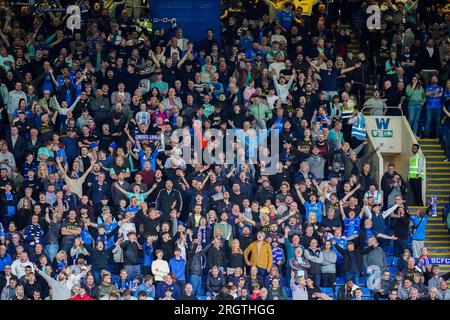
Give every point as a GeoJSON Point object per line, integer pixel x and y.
{"type": "Point", "coordinates": [353, 276]}
{"type": "Point", "coordinates": [414, 110]}
{"type": "Point", "coordinates": [133, 270]}
{"type": "Point", "coordinates": [97, 275]}
{"type": "Point", "coordinates": [433, 120]}
{"type": "Point", "coordinates": [316, 278]}
{"type": "Point", "coordinates": [328, 280]}
{"type": "Point", "coordinates": [196, 281]}
{"type": "Point", "coordinates": [446, 139]}
{"type": "Point", "coordinates": [66, 246]}
{"type": "Point", "coordinates": [399, 246]}
{"type": "Point", "coordinates": [51, 250]}
{"type": "Point", "coordinates": [416, 188]}
{"type": "Point", "coordinates": [417, 246]}
{"type": "Point", "coordinates": [262, 273]}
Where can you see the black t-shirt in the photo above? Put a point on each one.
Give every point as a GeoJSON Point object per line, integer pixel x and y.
{"type": "Point", "coordinates": [70, 225]}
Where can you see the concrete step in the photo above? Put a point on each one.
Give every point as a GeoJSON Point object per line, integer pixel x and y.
{"type": "Point", "coordinates": [440, 194]}
{"type": "Point", "coordinates": [435, 159]}
{"type": "Point", "coordinates": [436, 168]}
{"type": "Point", "coordinates": [438, 236]}
{"type": "Point", "coordinates": [434, 162]}
{"type": "Point", "coordinates": [428, 140]}
{"type": "Point", "coordinates": [437, 224]}
{"type": "Point", "coordinates": [437, 173]}
{"type": "Point", "coordinates": [437, 189]}
{"type": "Point", "coordinates": [438, 242]}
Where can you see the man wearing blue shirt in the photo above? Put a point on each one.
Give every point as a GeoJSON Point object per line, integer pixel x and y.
{"type": "Point", "coordinates": [418, 229]}
{"type": "Point", "coordinates": [285, 17]}
{"type": "Point", "coordinates": [434, 107]}
{"type": "Point", "coordinates": [250, 54]}
{"type": "Point", "coordinates": [178, 266]}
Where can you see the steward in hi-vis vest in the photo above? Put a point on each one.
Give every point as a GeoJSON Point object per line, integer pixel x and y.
{"type": "Point", "coordinates": [416, 173]}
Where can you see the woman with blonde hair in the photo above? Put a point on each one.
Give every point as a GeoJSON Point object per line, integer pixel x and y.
{"type": "Point", "coordinates": [402, 263]}
{"type": "Point", "coordinates": [43, 170]}
{"type": "Point", "coordinates": [77, 249]}
{"type": "Point", "coordinates": [60, 261]}
{"type": "Point", "coordinates": [312, 221]}
{"type": "Point", "coordinates": [235, 257]}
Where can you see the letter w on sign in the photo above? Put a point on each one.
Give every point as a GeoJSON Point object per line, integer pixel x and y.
{"type": "Point", "coordinates": [382, 123]}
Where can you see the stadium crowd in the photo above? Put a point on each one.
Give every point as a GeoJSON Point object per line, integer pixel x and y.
{"type": "Point", "coordinates": [96, 204]}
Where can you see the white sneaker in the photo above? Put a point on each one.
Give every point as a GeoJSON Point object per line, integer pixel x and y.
{"type": "Point", "coordinates": [446, 160]}
{"type": "Point", "coordinates": [434, 215]}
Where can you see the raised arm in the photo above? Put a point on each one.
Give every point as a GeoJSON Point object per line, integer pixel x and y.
{"type": "Point", "coordinates": [85, 174]}
{"type": "Point", "coordinates": [356, 66]}
{"type": "Point", "coordinates": [57, 105]}
{"type": "Point", "coordinates": [152, 189]}
{"type": "Point", "coordinates": [61, 167]}
{"type": "Point", "coordinates": [367, 212]}
{"type": "Point", "coordinates": [180, 63]}
{"type": "Point", "coordinates": [74, 104]}
{"type": "Point", "coordinates": [389, 211]}
{"type": "Point", "coordinates": [315, 68]}
{"type": "Point", "coordinates": [247, 219]}
{"type": "Point", "coordinates": [341, 209]}
{"type": "Point", "coordinates": [351, 193]}
{"type": "Point", "coordinates": [299, 194]}
{"type": "Point", "coordinates": [118, 187]}
{"type": "Point", "coordinates": [280, 221]}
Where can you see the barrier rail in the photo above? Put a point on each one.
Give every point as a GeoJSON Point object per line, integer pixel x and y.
{"type": "Point", "coordinates": [384, 109]}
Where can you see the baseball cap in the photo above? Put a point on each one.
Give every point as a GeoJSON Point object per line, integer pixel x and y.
{"type": "Point", "coordinates": [113, 145]}
{"type": "Point", "coordinates": [106, 208]}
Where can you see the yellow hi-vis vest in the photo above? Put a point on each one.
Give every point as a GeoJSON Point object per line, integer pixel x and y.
{"type": "Point", "coordinates": [414, 167]}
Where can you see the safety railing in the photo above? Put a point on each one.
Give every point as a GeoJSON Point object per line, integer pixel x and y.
{"type": "Point", "coordinates": [385, 109]}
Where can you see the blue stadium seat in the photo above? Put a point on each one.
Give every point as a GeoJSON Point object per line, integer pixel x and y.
{"type": "Point", "coordinates": [340, 281]}
{"type": "Point", "coordinates": [394, 261]}
{"type": "Point", "coordinates": [328, 290]}
{"type": "Point", "coordinates": [389, 261]}
{"type": "Point", "coordinates": [366, 292]}
{"type": "Point", "coordinates": [288, 291]}
{"type": "Point", "coordinates": [202, 298]}
{"type": "Point", "coordinates": [393, 270]}
{"type": "Point", "coordinates": [389, 250]}
{"type": "Point", "coordinates": [362, 281]}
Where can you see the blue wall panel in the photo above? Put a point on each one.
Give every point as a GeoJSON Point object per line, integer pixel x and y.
{"type": "Point", "coordinates": [194, 16]}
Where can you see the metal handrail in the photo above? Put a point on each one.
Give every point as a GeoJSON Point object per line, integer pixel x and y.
{"type": "Point", "coordinates": [384, 108]}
